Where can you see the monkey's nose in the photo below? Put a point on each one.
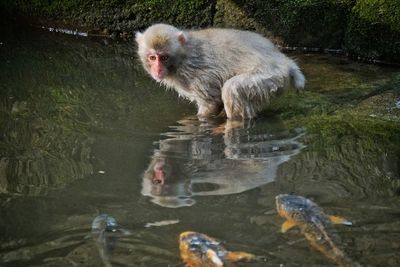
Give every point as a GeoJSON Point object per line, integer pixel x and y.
{"type": "Point", "coordinates": [159, 177]}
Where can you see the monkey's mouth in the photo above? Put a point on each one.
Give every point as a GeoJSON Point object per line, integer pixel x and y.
{"type": "Point", "coordinates": [159, 76]}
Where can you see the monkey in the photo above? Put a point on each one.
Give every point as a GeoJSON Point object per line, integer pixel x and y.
{"type": "Point", "coordinates": [224, 71]}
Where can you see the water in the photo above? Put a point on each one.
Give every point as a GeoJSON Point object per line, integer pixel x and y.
{"type": "Point", "coordinates": [85, 132]}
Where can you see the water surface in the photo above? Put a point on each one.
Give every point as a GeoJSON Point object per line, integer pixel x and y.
{"type": "Point", "coordinates": [85, 130]}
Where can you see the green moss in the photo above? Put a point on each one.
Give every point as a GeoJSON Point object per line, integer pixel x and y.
{"type": "Point", "coordinates": [117, 15]}
{"type": "Point", "coordinates": [230, 14]}
{"type": "Point", "coordinates": [373, 31]}
{"type": "Point", "coordinates": [183, 13]}
{"type": "Point", "coordinates": [385, 12]}
{"type": "Point", "coordinates": [341, 115]}
{"type": "Point", "coordinates": [295, 105]}
{"type": "Point", "coordinates": [312, 23]}
{"type": "Point", "coordinates": [365, 28]}
{"type": "Point", "coordinates": [335, 127]}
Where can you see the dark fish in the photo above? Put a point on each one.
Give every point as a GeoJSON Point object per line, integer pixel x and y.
{"type": "Point", "coordinates": [106, 232]}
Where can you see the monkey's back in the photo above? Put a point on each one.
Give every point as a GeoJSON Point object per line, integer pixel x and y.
{"type": "Point", "coordinates": [243, 50]}
{"type": "Point", "coordinates": [236, 38]}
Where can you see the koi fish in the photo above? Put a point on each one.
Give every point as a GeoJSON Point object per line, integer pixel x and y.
{"type": "Point", "coordinates": [200, 250]}
{"type": "Point", "coordinates": [314, 224]}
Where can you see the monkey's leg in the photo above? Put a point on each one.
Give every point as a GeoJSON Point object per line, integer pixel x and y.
{"type": "Point", "coordinates": [246, 94]}
{"type": "Point", "coordinates": [206, 110]}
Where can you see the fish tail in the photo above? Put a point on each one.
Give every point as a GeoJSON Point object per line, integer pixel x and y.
{"type": "Point", "coordinates": [339, 220]}
{"type": "Point", "coordinates": [339, 257]}
{"type": "Point", "coordinates": [239, 256]}
{"type": "Point", "coordinates": [347, 262]}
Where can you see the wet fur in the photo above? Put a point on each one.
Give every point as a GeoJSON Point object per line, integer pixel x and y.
{"type": "Point", "coordinates": [238, 71]}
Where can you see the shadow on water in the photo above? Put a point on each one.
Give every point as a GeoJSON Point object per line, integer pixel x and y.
{"type": "Point", "coordinates": [85, 132]}
{"type": "Point", "coordinates": [205, 158]}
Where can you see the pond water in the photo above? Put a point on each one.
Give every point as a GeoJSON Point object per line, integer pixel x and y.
{"type": "Point", "coordinates": [84, 132]}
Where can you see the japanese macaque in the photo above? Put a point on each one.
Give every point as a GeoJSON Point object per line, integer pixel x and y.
{"type": "Point", "coordinates": [224, 71]}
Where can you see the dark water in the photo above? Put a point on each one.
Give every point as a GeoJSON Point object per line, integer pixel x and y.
{"type": "Point", "coordinates": [84, 131]}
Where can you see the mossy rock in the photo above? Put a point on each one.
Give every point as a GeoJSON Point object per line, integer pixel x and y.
{"type": "Point", "coordinates": [385, 12]}
{"type": "Point", "coordinates": [368, 29]}
{"type": "Point", "coordinates": [311, 23]}
{"type": "Point", "coordinates": [373, 32]}
{"type": "Point", "coordinates": [117, 15]}
{"type": "Point", "coordinates": [230, 14]}
{"type": "Point", "coordinates": [181, 13]}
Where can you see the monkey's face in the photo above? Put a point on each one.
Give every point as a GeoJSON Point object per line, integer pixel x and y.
{"type": "Point", "coordinates": [157, 64]}
{"type": "Point", "coordinates": [160, 48]}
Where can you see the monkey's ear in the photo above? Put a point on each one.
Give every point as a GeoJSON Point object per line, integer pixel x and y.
{"type": "Point", "coordinates": [138, 37]}
{"type": "Point", "coordinates": [182, 38]}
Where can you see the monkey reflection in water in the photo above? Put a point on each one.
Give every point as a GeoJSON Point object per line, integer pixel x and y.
{"type": "Point", "coordinates": [193, 161]}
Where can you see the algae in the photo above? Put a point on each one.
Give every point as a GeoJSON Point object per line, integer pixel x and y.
{"type": "Point", "coordinates": [368, 113]}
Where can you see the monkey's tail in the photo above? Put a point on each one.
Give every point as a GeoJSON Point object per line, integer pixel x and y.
{"type": "Point", "coordinates": [297, 77]}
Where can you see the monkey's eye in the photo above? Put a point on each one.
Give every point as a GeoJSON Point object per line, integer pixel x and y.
{"type": "Point", "coordinates": [152, 57]}
{"type": "Point", "coordinates": [164, 57]}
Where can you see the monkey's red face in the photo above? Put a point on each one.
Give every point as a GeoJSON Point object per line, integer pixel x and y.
{"type": "Point", "coordinates": [158, 64]}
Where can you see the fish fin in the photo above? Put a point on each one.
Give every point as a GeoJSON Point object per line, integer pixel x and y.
{"type": "Point", "coordinates": [287, 225]}
{"type": "Point", "coordinates": [238, 256]}
{"type": "Point", "coordinates": [214, 258]}
{"type": "Point", "coordinates": [339, 220]}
